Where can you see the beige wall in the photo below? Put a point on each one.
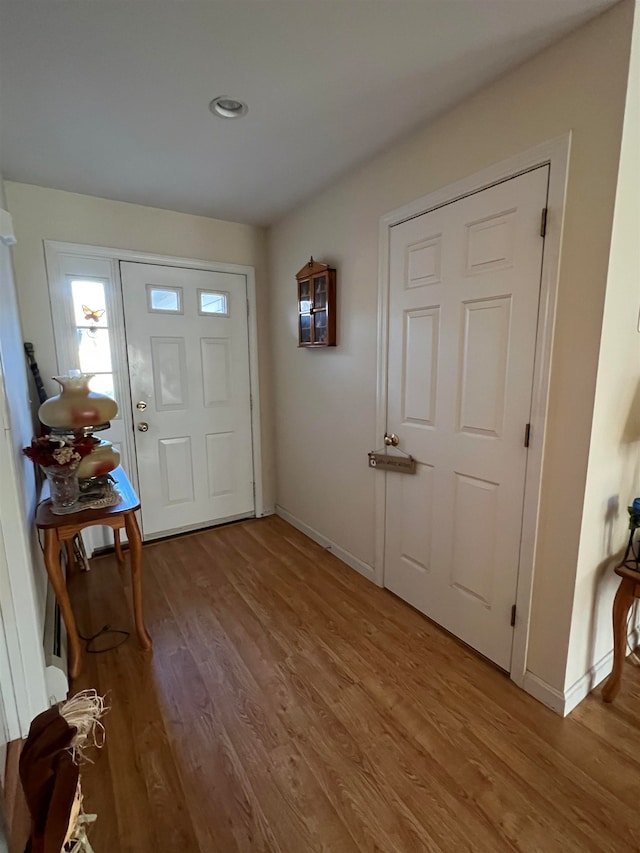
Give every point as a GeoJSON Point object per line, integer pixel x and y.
{"type": "Point", "coordinates": [325, 400]}
{"type": "Point", "coordinates": [613, 478]}
{"type": "Point", "coordinates": [45, 214]}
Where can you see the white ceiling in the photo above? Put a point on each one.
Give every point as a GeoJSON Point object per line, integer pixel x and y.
{"type": "Point", "coordinates": [111, 98]}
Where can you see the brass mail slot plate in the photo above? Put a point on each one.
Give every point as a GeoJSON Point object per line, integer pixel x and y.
{"type": "Point", "coordinates": [387, 462]}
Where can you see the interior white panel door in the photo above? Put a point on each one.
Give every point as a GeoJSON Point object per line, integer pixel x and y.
{"type": "Point", "coordinates": [187, 341]}
{"type": "Point", "coordinates": [464, 292]}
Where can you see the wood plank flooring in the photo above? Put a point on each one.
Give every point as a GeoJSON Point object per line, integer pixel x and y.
{"type": "Point", "coordinates": [292, 706]}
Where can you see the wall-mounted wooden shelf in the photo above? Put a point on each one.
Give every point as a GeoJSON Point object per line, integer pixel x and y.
{"type": "Point", "coordinates": [316, 305]}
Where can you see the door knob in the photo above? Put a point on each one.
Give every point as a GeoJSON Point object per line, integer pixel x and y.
{"type": "Point", "coordinates": [141, 405]}
{"type": "Point", "coordinates": [391, 439]}
{"type": "Point", "coordinates": [143, 427]}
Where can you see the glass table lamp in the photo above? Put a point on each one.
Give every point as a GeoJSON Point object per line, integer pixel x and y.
{"type": "Point", "coordinates": [79, 412]}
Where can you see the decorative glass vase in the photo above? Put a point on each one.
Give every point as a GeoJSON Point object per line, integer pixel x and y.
{"type": "Point", "coordinates": [76, 407]}
{"type": "Point", "coordinates": [63, 487]}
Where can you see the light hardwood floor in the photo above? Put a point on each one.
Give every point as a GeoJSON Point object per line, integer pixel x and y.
{"type": "Point", "coordinates": [292, 706]}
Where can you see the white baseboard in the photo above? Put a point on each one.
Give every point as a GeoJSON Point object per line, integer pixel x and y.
{"type": "Point", "coordinates": [560, 702]}
{"type": "Point", "coordinates": [544, 693]}
{"type": "Point", "coordinates": [598, 672]}
{"type": "Point", "coordinates": [346, 557]}
{"type": "Point", "coordinates": [563, 703]}
{"type": "Point", "coordinates": [584, 685]}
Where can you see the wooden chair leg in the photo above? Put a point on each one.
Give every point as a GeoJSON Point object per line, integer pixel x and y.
{"type": "Point", "coordinates": [135, 558]}
{"type": "Point", "coordinates": [54, 570]}
{"type": "Point", "coordinates": [80, 552]}
{"type": "Point", "coordinates": [118, 546]}
{"type": "Point", "coordinates": [71, 557]}
{"type": "Point", "coordinates": [621, 604]}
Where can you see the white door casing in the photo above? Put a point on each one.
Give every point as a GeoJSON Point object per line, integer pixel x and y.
{"type": "Point", "coordinates": [189, 368]}
{"type": "Point", "coordinates": [70, 268]}
{"type": "Point", "coordinates": [464, 290]}
{"type": "Point", "coordinates": [64, 267]}
{"type": "Point", "coordinates": [556, 153]}
{"type": "Point", "coordinates": [63, 259]}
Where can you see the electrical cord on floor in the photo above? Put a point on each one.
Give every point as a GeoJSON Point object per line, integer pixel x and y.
{"type": "Point", "coordinates": [106, 629]}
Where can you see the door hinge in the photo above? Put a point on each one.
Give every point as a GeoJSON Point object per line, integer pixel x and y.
{"type": "Point", "coordinates": [513, 615]}
{"type": "Point", "coordinates": [543, 222]}
{"type": "Point", "coordinates": [527, 435]}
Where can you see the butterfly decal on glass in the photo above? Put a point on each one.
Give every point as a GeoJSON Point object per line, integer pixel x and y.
{"type": "Point", "coordinates": [92, 315]}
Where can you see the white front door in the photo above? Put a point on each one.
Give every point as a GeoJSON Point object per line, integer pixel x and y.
{"type": "Point", "coordinates": [187, 341]}
{"type": "Point", "coordinates": [464, 292]}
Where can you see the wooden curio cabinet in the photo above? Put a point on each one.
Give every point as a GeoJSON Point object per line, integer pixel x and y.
{"type": "Point", "coordinates": [316, 305]}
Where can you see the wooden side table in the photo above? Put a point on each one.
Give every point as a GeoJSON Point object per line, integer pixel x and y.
{"type": "Point", "coordinates": [60, 529]}
{"type": "Point", "coordinates": [628, 590]}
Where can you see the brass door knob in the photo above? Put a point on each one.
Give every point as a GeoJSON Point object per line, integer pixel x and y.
{"type": "Point", "coordinates": [143, 427]}
{"type": "Point", "coordinates": [391, 439]}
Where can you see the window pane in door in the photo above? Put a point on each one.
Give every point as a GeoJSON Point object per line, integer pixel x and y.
{"type": "Point", "coordinates": [102, 383]}
{"type": "Point", "coordinates": [94, 351]}
{"type": "Point", "coordinates": [212, 302]}
{"type": "Point", "coordinates": [89, 305]}
{"type": "Point", "coordinates": [167, 299]}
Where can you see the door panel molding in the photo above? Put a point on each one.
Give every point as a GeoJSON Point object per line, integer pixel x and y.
{"type": "Point", "coordinates": [555, 153]}
{"type": "Point", "coordinates": [56, 250]}
{"type": "Point", "coordinates": [200, 385]}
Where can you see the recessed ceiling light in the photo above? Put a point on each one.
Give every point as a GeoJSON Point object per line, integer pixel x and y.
{"type": "Point", "coordinates": [227, 107]}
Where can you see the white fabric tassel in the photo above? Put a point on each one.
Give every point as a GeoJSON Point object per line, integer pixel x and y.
{"type": "Point", "coordinates": [83, 712]}
{"type": "Point", "coordinates": [79, 842]}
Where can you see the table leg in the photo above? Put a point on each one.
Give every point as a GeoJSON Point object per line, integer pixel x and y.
{"type": "Point", "coordinates": [621, 604]}
{"type": "Point", "coordinates": [71, 557]}
{"type": "Point", "coordinates": [135, 555]}
{"type": "Point", "coordinates": [118, 546]}
{"type": "Point", "coordinates": [54, 570]}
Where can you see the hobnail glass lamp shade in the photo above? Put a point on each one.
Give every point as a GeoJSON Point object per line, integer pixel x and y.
{"type": "Point", "coordinates": [103, 458]}
{"type": "Point", "coordinates": [76, 406]}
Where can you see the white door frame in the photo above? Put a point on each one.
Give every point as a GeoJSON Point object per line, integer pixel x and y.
{"type": "Point", "coordinates": [555, 153]}
{"type": "Point", "coordinates": [53, 252]}
{"type": "Point", "coordinates": [22, 665]}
